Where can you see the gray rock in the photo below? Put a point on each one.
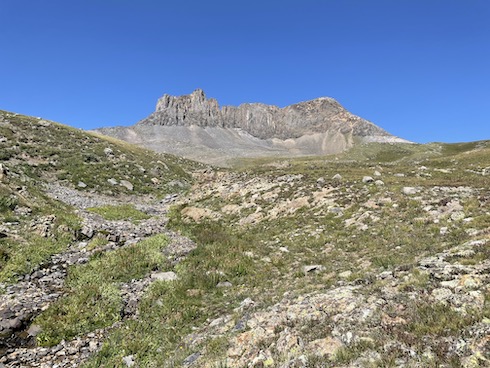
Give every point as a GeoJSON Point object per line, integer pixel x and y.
{"type": "Point", "coordinates": [126, 184]}
{"type": "Point", "coordinates": [112, 181]}
{"type": "Point", "coordinates": [176, 183]}
{"type": "Point", "coordinates": [379, 183]}
{"type": "Point", "coordinates": [15, 323]}
{"type": "Point", "coordinates": [367, 179]}
{"type": "Point", "coordinates": [247, 303]}
{"type": "Point", "coordinates": [191, 358]}
{"type": "Point", "coordinates": [81, 184]}
{"type": "Point", "coordinates": [87, 232]}
{"type": "Point", "coordinates": [336, 210]}
{"type": "Point", "coordinates": [224, 284]}
{"type": "Point", "coordinates": [313, 268]}
{"type": "Point", "coordinates": [34, 330]}
{"type": "Point", "coordinates": [337, 177]}
{"type": "Point", "coordinates": [442, 294]}
{"type": "Point", "coordinates": [3, 171]}
{"type": "Point", "coordinates": [241, 325]}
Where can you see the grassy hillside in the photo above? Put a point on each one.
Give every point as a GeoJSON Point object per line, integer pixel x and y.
{"type": "Point", "coordinates": [35, 153]}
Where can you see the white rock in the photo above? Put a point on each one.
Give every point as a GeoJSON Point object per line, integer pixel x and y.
{"type": "Point", "coordinates": [457, 216]}
{"type": "Point", "coordinates": [410, 190]}
{"type": "Point", "coordinates": [246, 303]}
{"type": "Point", "coordinates": [224, 284]}
{"type": "Point", "coordinates": [126, 184]}
{"type": "Point", "coordinates": [108, 151]}
{"type": "Point", "coordinates": [164, 276]}
{"type": "Point", "coordinates": [128, 360]}
{"type": "Point", "coordinates": [313, 268]}
{"type": "Point", "coordinates": [345, 274]}
{"type": "Point", "coordinates": [442, 294]}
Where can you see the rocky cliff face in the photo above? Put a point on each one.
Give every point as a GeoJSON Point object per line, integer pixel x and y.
{"type": "Point", "coordinates": [196, 127]}
{"type": "Point", "coordinates": [260, 120]}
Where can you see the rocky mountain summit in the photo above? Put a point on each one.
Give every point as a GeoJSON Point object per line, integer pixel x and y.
{"type": "Point", "coordinates": [197, 127]}
{"type": "Point", "coordinates": [261, 120]}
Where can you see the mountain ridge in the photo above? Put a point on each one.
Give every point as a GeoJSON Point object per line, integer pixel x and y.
{"type": "Point", "coordinates": [197, 127]}
{"type": "Point", "coordinates": [260, 120]}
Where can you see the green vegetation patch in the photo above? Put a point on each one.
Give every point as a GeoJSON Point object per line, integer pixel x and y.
{"type": "Point", "coordinates": [45, 150]}
{"type": "Point", "coordinates": [93, 300]}
{"type": "Point", "coordinates": [19, 257]}
{"type": "Point", "coordinates": [31, 246]}
{"type": "Point", "coordinates": [123, 212]}
{"type": "Point", "coordinates": [168, 311]}
{"type": "Point", "coordinates": [437, 319]}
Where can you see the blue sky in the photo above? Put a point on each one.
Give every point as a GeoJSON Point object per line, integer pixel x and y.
{"type": "Point", "coordinates": [418, 68]}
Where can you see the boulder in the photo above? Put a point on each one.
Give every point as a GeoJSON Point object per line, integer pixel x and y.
{"type": "Point", "coordinates": [126, 184]}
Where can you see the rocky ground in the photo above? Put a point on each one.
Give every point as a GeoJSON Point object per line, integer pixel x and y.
{"type": "Point", "coordinates": [430, 308]}
{"type": "Point", "coordinates": [34, 292]}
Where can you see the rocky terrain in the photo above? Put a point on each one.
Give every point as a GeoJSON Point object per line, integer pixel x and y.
{"type": "Point", "coordinates": [114, 256]}
{"type": "Point", "coordinates": [196, 127]}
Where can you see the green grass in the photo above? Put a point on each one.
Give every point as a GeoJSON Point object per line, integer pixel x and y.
{"type": "Point", "coordinates": [92, 304]}
{"type": "Point", "coordinates": [122, 212]}
{"type": "Point", "coordinates": [21, 257]}
{"type": "Point", "coordinates": [437, 319]}
{"type": "Point", "coordinates": [21, 254]}
{"type": "Point", "coordinates": [93, 300]}
{"type": "Point", "coordinates": [54, 151]}
{"type": "Point", "coordinates": [97, 241]}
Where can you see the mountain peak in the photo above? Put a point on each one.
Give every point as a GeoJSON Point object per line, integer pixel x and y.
{"type": "Point", "coordinates": [261, 120]}
{"type": "Point", "coordinates": [198, 92]}
{"type": "Point", "coordinates": [196, 127]}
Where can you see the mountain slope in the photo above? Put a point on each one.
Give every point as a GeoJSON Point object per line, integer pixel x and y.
{"type": "Point", "coordinates": [196, 127]}
{"type": "Point", "coordinates": [374, 257]}
{"type": "Point", "coordinates": [70, 198]}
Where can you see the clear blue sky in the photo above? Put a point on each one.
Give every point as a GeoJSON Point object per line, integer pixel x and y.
{"type": "Point", "coordinates": [418, 68]}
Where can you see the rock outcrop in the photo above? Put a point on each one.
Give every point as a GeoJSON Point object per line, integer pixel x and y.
{"type": "Point", "coordinates": [260, 120]}
{"type": "Point", "coordinates": [196, 127]}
